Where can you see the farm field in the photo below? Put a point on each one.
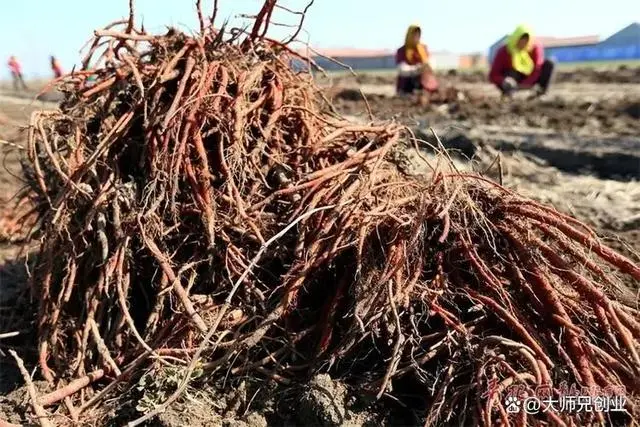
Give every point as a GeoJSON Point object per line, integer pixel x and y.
{"type": "Point", "coordinates": [577, 149]}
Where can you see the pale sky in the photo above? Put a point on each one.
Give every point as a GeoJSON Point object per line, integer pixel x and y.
{"type": "Point", "coordinates": [34, 29]}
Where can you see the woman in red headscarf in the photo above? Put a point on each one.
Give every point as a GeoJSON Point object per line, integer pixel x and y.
{"type": "Point", "coordinates": [414, 70]}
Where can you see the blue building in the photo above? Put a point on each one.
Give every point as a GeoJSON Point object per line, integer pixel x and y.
{"type": "Point", "coordinates": [367, 59]}
{"type": "Point", "coordinates": [621, 46]}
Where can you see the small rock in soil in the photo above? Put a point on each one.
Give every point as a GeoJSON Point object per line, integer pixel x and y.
{"type": "Point", "coordinates": [252, 420]}
{"type": "Point", "coordinates": [323, 403]}
{"type": "Point", "coordinates": [256, 420]}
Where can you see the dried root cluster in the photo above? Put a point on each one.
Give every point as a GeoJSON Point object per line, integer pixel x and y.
{"type": "Point", "coordinates": [201, 201]}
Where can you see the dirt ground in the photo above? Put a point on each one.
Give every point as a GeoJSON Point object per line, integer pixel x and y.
{"type": "Point", "coordinates": [618, 75]}
{"type": "Point", "coordinates": [14, 116]}
{"type": "Point", "coordinates": [578, 148]}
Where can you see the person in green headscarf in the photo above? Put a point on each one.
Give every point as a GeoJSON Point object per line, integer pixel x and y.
{"type": "Point", "coordinates": [520, 64]}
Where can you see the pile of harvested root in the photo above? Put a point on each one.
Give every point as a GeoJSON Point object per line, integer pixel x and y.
{"type": "Point", "coordinates": [201, 204]}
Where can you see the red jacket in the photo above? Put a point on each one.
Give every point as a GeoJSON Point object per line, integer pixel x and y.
{"type": "Point", "coordinates": [14, 66]}
{"type": "Point", "coordinates": [502, 63]}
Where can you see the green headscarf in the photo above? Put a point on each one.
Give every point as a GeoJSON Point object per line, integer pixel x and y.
{"type": "Point", "coordinates": [521, 58]}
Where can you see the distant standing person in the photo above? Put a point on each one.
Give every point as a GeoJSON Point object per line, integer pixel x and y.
{"type": "Point", "coordinates": [520, 64]}
{"type": "Point", "coordinates": [55, 67]}
{"type": "Point", "coordinates": [16, 74]}
{"type": "Point", "coordinates": [414, 69]}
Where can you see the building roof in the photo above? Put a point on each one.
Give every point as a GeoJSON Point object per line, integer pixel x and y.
{"type": "Point", "coordinates": [569, 41]}
{"type": "Point", "coordinates": [345, 52]}
{"type": "Point", "coordinates": [357, 53]}
{"type": "Point", "coordinates": [556, 41]}
{"type": "Point", "coordinates": [629, 34]}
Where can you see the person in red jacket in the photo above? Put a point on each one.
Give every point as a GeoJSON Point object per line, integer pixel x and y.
{"type": "Point", "coordinates": [414, 70]}
{"type": "Point", "coordinates": [16, 73]}
{"type": "Point", "coordinates": [55, 67]}
{"type": "Point", "coordinates": [520, 64]}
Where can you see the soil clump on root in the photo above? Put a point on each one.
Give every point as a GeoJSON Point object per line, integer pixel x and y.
{"type": "Point", "coordinates": [203, 209]}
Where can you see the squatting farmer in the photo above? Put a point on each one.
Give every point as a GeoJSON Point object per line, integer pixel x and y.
{"type": "Point", "coordinates": [414, 69]}
{"type": "Point", "coordinates": [520, 64]}
{"type": "Point", "coordinates": [16, 74]}
{"type": "Point", "coordinates": [55, 67]}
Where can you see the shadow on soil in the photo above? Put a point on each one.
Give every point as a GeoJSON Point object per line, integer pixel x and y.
{"type": "Point", "coordinates": [51, 96]}
{"type": "Point", "coordinates": [606, 158]}
{"type": "Point", "coordinates": [17, 333]}
{"type": "Point", "coordinates": [252, 403]}
{"type": "Point", "coordinates": [16, 321]}
{"type": "Point", "coordinates": [615, 165]}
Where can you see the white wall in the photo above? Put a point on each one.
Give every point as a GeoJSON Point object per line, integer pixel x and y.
{"type": "Point", "coordinates": [444, 60]}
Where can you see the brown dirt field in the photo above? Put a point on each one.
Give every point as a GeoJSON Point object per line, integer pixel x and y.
{"type": "Point", "coordinates": [620, 75]}
{"type": "Point", "coordinates": [581, 155]}
{"type": "Point", "coordinates": [14, 115]}
{"type": "Point", "coordinates": [621, 117]}
{"type": "Point", "coordinates": [12, 268]}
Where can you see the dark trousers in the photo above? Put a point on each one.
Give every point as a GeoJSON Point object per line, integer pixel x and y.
{"type": "Point", "coordinates": [425, 81]}
{"type": "Point", "coordinates": [544, 80]}
{"type": "Point", "coordinates": [18, 82]}
{"type": "Point", "coordinates": [408, 84]}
